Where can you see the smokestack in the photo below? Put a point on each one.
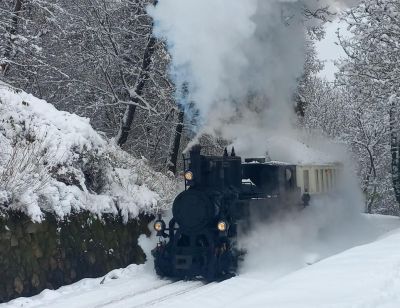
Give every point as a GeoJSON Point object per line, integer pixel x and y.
{"type": "Point", "coordinates": [195, 151]}
{"type": "Point", "coordinates": [195, 162]}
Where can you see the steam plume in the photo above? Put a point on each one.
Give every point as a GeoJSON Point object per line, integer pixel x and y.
{"type": "Point", "coordinates": [241, 59]}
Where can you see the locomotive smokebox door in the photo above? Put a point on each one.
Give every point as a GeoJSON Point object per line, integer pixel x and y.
{"type": "Point", "coordinates": [193, 210]}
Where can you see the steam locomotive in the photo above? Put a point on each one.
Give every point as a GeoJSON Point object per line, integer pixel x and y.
{"type": "Point", "coordinates": [222, 196]}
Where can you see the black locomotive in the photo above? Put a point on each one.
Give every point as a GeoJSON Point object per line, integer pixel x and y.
{"type": "Point", "coordinates": [222, 195]}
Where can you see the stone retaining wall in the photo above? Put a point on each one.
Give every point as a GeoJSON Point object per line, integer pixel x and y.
{"type": "Point", "coordinates": [53, 253]}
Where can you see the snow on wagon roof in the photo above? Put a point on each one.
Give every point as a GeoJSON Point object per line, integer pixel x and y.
{"type": "Point", "coordinates": [286, 150]}
{"type": "Point", "coordinates": [291, 148]}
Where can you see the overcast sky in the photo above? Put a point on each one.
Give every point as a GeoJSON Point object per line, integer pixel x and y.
{"type": "Point", "coordinates": [328, 51]}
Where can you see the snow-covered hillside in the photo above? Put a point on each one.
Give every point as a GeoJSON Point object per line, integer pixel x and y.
{"type": "Point", "coordinates": [362, 276]}
{"type": "Point", "coordinates": [55, 161]}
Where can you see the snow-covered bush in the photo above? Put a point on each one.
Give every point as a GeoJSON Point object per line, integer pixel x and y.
{"type": "Point", "coordinates": [55, 161]}
{"type": "Point", "coordinates": [24, 172]}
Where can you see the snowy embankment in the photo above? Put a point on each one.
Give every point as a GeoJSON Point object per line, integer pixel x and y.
{"type": "Point", "coordinates": [55, 161]}
{"type": "Point", "coordinates": [365, 276]}
{"type": "Point", "coordinates": [362, 276]}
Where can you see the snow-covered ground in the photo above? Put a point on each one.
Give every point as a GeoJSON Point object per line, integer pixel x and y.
{"type": "Point", "coordinates": [365, 275]}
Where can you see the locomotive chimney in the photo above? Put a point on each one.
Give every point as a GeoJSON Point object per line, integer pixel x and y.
{"type": "Point", "coordinates": [233, 154]}
{"type": "Point", "coordinates": [195, 162]}
{"type": "Point", "coordinates": [195, 150]}
{"type": "Point", "coordinates": [225, 152]}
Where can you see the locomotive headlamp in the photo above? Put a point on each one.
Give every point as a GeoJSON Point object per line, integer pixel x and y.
{"type": "Point", "coordinates": [222, 226]}
{"type": "Point", "coordinates": [159, 225]}
{"type": "Point", "coordinates": [188, 175]}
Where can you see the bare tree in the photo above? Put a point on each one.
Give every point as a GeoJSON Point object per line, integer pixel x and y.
{"type": "Point", "coordinates": [10, 26]}
{"type": "Point", "coordinates": [372, 68]}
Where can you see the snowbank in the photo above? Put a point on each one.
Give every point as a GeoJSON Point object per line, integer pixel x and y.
{"type": "Point", "coordinates": [55, 161]}
{"type": "Point", "coordinates": [117, 283]}
{"type": "Point", "coordinates": [365, 276]}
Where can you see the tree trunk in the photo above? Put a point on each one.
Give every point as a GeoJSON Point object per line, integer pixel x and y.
{"type": "Point", "coordinates": [395, 147]}
{"type": "Point", "coordinates": [173, 161]}
{"type": "Point", "coordinates": [129, 115]}
{"type": "Point", "coordinates": [130, 110]}
{"type": "Point", "coordinates": [12, 30]}
{"type": "Point", "coordinates": [372, 171]}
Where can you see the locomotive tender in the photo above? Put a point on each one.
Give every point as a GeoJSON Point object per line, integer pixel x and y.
{"type": "Point", "coordinates": [222, 195]}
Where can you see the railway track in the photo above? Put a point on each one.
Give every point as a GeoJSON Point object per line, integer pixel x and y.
{"type": "Point", "coordinates": [153, 296]}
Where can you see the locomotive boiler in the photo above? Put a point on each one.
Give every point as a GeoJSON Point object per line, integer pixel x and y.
{"type": "Point", "coordinates": [222, 196]}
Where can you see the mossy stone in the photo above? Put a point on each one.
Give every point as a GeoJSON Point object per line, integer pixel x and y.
{"type": "Point", "coordinates": [56, 252]}
{"type": "Point", "coordinates": [14, 241]}
{"type": "Point", "coordinates": [18, 285]}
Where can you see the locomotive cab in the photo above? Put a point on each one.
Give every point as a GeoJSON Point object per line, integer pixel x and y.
{"type": "Point", "coordinates": [215, 172]}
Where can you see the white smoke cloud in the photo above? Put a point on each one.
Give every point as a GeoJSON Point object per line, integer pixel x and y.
{"type": "Point", "coordinates": [241, 59]}
{"type": "Point", "coordinates": [329, 225]}
{"type": "Point", "coordinates": [205, 40]}
{"type": "Point", "coordinates": [288, 243]}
